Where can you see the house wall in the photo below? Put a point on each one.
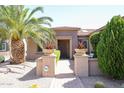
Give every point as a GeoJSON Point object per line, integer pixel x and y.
{"type": "Point", "coordinates": [4, 53]}
{"type": "Point", "coordinates": [32, 52]}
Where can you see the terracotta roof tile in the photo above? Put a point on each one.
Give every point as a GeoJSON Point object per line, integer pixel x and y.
{"type": "Point", "coordinates": [66, 28]}
{"type": "Point", "coordinates": [81, 32]}
{"type": "Point", "coordinates": [85, 32]}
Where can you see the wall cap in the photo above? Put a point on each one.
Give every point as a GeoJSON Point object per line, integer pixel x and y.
{"type": "Point", "coordinates": [92, 59]}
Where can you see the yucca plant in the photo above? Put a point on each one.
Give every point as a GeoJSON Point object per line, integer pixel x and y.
{"type": "Point", "coordinates": [110, 49]}
{"type": "Point", "coordinates": [80, 45]}
{"type": "Point", "coordinates": [18, 23]}
{"type": "Point", "coordinates": [49, 45]}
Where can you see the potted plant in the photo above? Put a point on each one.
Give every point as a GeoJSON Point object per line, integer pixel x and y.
{"type": "Point", "coordinates": [80, 50]}
{"type": "Point", "coordinates": [49, 49]}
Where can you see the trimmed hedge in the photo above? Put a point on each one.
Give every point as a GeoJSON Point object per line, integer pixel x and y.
{"type": "Point", "coordinates": [110, 49]}
{"type": "Point", "coordinates": [57, 53]}
{"type": "Point", "coordinates": [94, 39]}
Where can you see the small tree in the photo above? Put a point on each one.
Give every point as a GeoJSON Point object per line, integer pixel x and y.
{"type": "Point", "coordinates": [110, 49]}
{"type": "Point", "coordinates": [94, 39]}
{"type": "Point", "coordinates": [18, 23]}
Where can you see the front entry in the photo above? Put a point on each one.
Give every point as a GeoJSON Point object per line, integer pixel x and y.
{"type": "Point", "coordinates": [64, 47]}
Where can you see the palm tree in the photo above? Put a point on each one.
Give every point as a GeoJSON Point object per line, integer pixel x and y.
{"type": "Point", "coordinates": [17, 23]}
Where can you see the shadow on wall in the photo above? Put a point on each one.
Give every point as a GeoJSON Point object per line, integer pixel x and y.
{"type": "Point", "coordinates": [30, 75]}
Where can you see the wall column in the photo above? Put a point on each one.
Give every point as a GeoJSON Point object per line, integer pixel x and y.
{"type": "Point", "coordinates": [46, 66]}
{"type": "Point", "coordinates": [81, 65]}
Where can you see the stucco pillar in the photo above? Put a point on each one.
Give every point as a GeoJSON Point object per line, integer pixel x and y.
{"type": "Point", "coordinates": [81, 65]}
{"type": "Point", "coordinates": [46, 66]}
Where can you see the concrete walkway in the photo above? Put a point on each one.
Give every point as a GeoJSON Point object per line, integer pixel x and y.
{"type": "Point", "coordinates": [65, 77]}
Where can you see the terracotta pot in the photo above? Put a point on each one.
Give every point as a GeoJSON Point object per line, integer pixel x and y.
{"type": "Point", "coordinates": [48, 51]}
{"type": "Point", "coordinates": [80, 51]}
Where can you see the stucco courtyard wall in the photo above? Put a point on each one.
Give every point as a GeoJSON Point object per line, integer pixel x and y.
{"type": "Point", "coordinates": [94, 69]}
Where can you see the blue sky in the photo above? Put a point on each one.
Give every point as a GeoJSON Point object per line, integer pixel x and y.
{"type": "Point", "coordinates": [91, 16]}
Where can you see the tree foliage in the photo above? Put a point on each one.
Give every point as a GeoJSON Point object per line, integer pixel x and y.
{"type": "Point", "coordinates": [17, 22]}
{"type": "Point", "coordinates": [110, 49]}
{"type": "Point", "coordinates": [94, 39]}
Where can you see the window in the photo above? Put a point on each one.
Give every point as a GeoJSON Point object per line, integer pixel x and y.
{"type": "Point", "coordinates": [85, 42]}
{"type": "Point", "coordinates": [39, 49]}
{"type": "Point", "coordinates": [3, 46]}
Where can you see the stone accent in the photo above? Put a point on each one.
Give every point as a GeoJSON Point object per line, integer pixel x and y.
{"type": "Point", "coordinates": [81, 65]}
{"type": "Point", "coordinates": [46, 66]}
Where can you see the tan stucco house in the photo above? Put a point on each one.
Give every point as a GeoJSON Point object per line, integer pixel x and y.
{"type": "Point", "coordinates": [66, 40]}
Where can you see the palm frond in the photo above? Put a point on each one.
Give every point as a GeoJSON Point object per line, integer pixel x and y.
{"type": "Point", "coordinates": [34, 11]}
{"type": "Point", "coordinates": [20, 24]}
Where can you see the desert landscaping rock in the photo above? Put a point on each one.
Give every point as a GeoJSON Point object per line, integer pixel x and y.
{"type": "Point", "coordinates": [22, 76]}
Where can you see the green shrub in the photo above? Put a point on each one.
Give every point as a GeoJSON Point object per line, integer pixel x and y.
{"type": "Point", "coordinates": [57, 53]}
{"type": "Point", "coordinates": [99, 84]}
{"type": "Point", "coordinates": [110, 49]}
{"type": "Point", "coordinates": [2, 59]}
{"type": "Point", "coordinates": [94, 39]}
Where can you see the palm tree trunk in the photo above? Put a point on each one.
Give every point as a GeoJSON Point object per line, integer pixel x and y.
{"type": "Point", "coordinates": [17, 51]}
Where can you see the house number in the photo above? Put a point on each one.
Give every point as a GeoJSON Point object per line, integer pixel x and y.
{"type": "Point", "coordinates": [46, 68]}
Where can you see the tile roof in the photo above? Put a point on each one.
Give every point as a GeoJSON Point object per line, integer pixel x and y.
{"type": "Point", "coordinates": [85, 32]}
{"type": "Point", "coordinates": [66, 28]}
{"type": "Point", "coordinates": [81, 32]}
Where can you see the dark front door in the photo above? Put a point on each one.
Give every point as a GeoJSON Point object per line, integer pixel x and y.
{"type": "Point", "coordinates": [63, 46]}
